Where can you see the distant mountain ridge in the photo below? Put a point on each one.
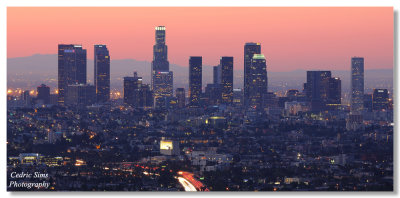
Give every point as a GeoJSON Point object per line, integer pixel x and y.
{"type": "Point", "coordinates": [33, 70]}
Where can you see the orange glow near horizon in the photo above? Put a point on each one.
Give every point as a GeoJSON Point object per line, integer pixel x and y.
{"type": "Point", "coordinates": [291, 37]}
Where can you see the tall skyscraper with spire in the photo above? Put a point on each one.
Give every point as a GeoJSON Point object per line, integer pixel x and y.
{"type": "Point", "coordinates": [249, 50]}
{"type": "Point", "coordinates": [160, 51]}
{"type": "Point", "coordinates": [357, 85]}
{"type": "Point", "coordinates": [102, 73]}
{"type": "Point", "coordinates": [71, 68]}
{"type": "Point", "coordinates": [161, 77]}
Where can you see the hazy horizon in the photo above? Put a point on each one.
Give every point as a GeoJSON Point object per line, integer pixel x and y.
{"type": "Point", "coordinates": [235, 68]}
{"type": "Point", "coordinates": [46, 72]}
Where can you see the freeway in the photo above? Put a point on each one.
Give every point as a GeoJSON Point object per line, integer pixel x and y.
{"type": "Point", "coordinates": [186, 184]}
{"type": "Point", "coordinates": [188, 181]}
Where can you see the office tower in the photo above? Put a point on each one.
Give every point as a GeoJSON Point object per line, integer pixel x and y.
{"type": "Point", "coordinates": [136, 93]}
{"type": "Point", "coordinates": [181, 98]}
{"type": "Point", "coordinates": [213, 94]}
{"type": "Point", "coordinates": [71, 68]}
{"type": "Point", "coordinates": [316, 89]}
{"type": "Point", "coordinates": [322, 91]}
{"type": "Point", "coordinates": [160, 51]}
{"type": "Point", "coordinates": [249, 50]}
{"type": "Point", "coordinates": [43, 94]}
{"type": "Point", "coordinates": [368, 102]}
{"type": "Point", "coordinates": [131, 89]}
{"type": "Point", "coordinates": [163, 81]}
{"type": "Point", "coordinates": [80, 95]}
{"type": "Point", "coordinates": [257, 81]}
{"type": "Point", "coordinates": [216, 75]}
{"type": "Point", "coordinates": [102, 73]}
{"type": "Point", "coordinates": [333, 90]}
{"type": "Point", "coordinates": [357, 85]}
{"type": "Point", "coordinates": [195, 80]}
{"type": "Point", "coordinates": [380, 100]}
{"type": "Point", "coordinates": [145, 97]}
{"type": "Point", "coordinates": [226, 68]}
{"type": "Point", "coordinates": [237, 97]}
{"type": "Point", "coordinates": [161, 77]}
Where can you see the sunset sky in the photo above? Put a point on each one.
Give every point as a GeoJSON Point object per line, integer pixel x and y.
{"type": "Point", "coordinates": [291, 38]}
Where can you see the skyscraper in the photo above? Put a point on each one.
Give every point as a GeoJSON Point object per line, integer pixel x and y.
{"type": "Point", "coordinates": [380, 99]}
{"type": "Point", "coordinates": [131, 89]}
{"type": "Point", "coordinates": [226, 64]}
{"type": "Point", "coordinates": [357, 85]}
{"type": "Point", "coordinates": [102, 73]}
{"type": "Point", "coordinates": [43, 93]}
{"type": "Point", "coordinates": [333, 90]}
{"type": "Point", "coordinates": [216, 75]}
{"type": "Point", "coordinates": [213, 94]}
{"type": "Point", "coordinates": [237, 97]}
{"type": "Point", "coordinates": [249, 50]}
{"type": "Point", "coordinates": [71, 68]}
{"type": "Point", "coordinates": [145, 97]}
{"type": "Point", "coordinates": [161, 77]}
{"type": "Point", "coordinates": [136, 93]}
{"type": "Point", "coordinates": [323, 92]}
{"type": "Point", "coordinates": [316, 89]}
{"type": "Point", "coordinates": [368, 102]}
{"type": "Point", "coordinates": [181, 98]}
{"type": "Point", "coordinates": [160, 51]}
{"type": "Point", "coordinates": [195, 80]}
{"type": "Point", "coordinates": [257, 81]}
{"type": "Point", "coordinates": [163, 81]}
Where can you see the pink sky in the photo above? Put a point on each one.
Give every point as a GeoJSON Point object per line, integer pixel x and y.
{"type": "Point", "coordinates": [291, 38]}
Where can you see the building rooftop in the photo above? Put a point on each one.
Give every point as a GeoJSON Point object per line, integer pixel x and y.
{"type": "Point", "coordinates": [160, 28]}
{"type": "Point", "coordinates": [258, 56]}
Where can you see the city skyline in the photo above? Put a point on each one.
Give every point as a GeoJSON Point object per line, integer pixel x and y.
{"type": "Point", "coordinates": [162, 85]}
{"type": "Point", "coordinates": [288, 135]}
{"type": "Point", "coordinates": [322, 91]}
{"type": "Point", "coordinates": [185, 42]}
